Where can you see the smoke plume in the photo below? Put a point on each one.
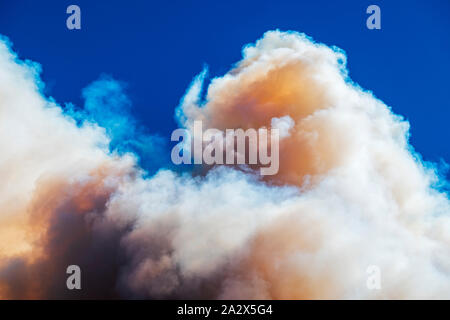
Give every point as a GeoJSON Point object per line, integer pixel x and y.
{"type": "Point", "coordinates": [350, 192]}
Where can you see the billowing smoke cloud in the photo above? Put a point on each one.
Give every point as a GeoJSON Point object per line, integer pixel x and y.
{"type": "Point", "coordinates": [350, 192]}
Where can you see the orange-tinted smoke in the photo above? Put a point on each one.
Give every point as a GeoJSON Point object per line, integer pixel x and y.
{"type": "Point", "coordinates": [274, 82]}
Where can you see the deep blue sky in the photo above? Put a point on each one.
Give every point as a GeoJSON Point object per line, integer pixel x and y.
{"type": "Point", "coordinates": [158, 46]}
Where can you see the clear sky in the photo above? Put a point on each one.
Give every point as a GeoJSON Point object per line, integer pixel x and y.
{"type": "Point", "coordinates": [157, 47]}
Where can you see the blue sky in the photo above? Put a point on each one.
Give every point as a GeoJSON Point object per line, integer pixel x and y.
{"type": "Point", "coordinates": [157, 47]}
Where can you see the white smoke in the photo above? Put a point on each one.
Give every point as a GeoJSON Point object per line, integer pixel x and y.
{"type": "Point", "coordinates": [350, 193]}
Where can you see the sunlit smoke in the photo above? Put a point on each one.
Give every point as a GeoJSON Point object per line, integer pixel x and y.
{"type": "Point", "coordinates": [349, 193]}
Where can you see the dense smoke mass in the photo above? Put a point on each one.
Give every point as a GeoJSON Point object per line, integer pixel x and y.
{"type": "Point", "coordinates": [350, 191]}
